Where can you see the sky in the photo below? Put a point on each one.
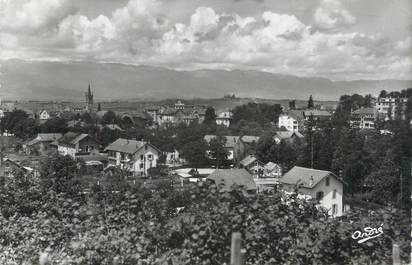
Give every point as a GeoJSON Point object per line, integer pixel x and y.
{"type": "Point", "coordinates": [336, 39]}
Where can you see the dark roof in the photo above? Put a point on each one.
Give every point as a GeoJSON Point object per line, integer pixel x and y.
{"type": "Point", "coordinates": [296, 114]}
{"type": "Point", "coordinates": [307, 177]}
{"type": "Point", "coordinates": [127, 146]}
{"type": "Point", "coordinates": [72, 138]}
{"type": "Point", "coordinates": [226, 178]}
{"type": "Point", "coordinates": [288, 134]}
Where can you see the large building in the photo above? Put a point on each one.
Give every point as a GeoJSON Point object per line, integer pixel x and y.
{"type": "Point", "coordinates": [388, 106]}
{"type": "Point", "coordinates": [323, 186]}
{"type": "Point", "coordinates": [363, 118]}
{"type": "Point", "coordinates": [292, 120]}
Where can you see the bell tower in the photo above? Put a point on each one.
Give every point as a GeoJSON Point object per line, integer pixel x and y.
{"type": "Point", "coordinates": [89, 99]}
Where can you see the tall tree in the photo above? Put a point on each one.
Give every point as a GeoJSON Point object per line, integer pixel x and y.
{"type": "Point", "coordinates": [217, 151]}
{"type": "Point", "coordinates": [210, 116]}
{"type": "Point", "coordinates": [311, 104]}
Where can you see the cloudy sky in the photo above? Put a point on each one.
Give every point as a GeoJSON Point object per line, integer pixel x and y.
{"type": "Point", "coordinates": [338, 39]}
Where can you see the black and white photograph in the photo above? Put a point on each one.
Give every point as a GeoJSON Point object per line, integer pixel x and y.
{"type": "Point", "coordinates": [205, 132]}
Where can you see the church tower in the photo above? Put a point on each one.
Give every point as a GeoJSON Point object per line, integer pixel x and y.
{"type": "Point", "coordinates": [89, 99]}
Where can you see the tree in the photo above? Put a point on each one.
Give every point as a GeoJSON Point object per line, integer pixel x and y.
{"type": "Point", "coordinates": [99, 107]}
{"type": "Point", "coordinates": [10, 120]}
{"type": "Point", "coordinates": [60, 174]}
{"type": "Point", "coordinates": [218, 152]}
{"type": "Point", "coordinates": [311, 104]}
{"type": "Point", "coordinates": [195, 153]}
{"type": "Point", "coordinates": [266, 150]}
{"type": "Point", "coordinates": [54, 125]}
{"type": "Point", "coordinates": [210, 116]}
{"type": "Point", "coordinates": [109, 118]}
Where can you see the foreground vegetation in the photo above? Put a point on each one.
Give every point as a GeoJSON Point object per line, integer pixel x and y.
{"type": "Point", "coordinates": [51, 220]}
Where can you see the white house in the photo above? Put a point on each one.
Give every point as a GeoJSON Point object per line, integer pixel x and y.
{"type": "Point", "coordinates": [134, 156]}
{"type": "Point", "coordinates": [292, 120]}
{"type": "Point", "coordinates": [323, 186]}
{"type": "Point", "coordinates": [44, 115]}
{"type": "Point", "coordinates": [224, 118]}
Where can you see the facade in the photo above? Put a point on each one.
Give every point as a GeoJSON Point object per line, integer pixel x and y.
{"type": "Point", "coordinates": [173, 159]}
{"type": "Point", "coordinates": [44, 115]}
{"type": "Point", "coordinates": [180, 113]}
{"type": "Point", "coordinates": [291, 120]}
{"type": "Point", "coordinates": [134, 156]}
{"type": "Point", "coordinates": [323, 186]}
{"type": "Point", "coordinates": [387, 107]}
{"type": "Point", "coordinates": [74, 144]}
{"type": "Point", "coordinates": [245, 146]}
{"type": "Point", "coordinates": [363, 118]}
{"type": "Point", "coordinates": [224, 118]}
{"type": "Point", "coordinates": [272, 170]}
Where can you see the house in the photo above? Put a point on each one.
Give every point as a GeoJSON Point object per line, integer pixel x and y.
{"type": "Point", "coordinates": [173, 159]}
{"type": "Point", "coordinates": [73, 144]}
{"type": "Point", "coordinates": [227, 179]}
{"type": "Point", "coordinates": [251, 164]}
{"type": "Point", "coordinates": [363, 118]}
{"type": "Point", "coordinates": [272, 170]}
{"type": "Point", "coordinates": [42, 144]}
{"type": "Point", "coordinates": [292, 120]}
{"type": "Point", "coordinates": [245, 146]}
{"type": "Point", "coordinates": [135, 156]}
{"type": "Point", "coordinates": [323, 186]}
{"type": "Point", "coordinates": [288, 136]}
{"type": "Point", "coordinates": [224, 118]}
{"type": "Point", "coordinates": [44, 115]}
{"type": "Point", "coordinates": [180, 113]}
{"type": "Point", "coordinates": [229, 145]}
{"type": "Point", "coordinates": [187, 175]}
{"type": "Point", "coordinates": [387, 106]}
{"type": "Point", "coordinates": [10, 168]}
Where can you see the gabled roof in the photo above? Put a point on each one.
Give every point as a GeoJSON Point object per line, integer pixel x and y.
{"type": "Point", "coordinates": [295, 114]}
{"type": "Point", "coordinates": [72, 138]}
{"type": "Point", "coordinates": [127, 146]}
{"type": "Point", "coordinates": [230, 140]}
{"type": "Point", "coordinates": [307, 177]}
{"type": "Point", "coordinates": [226, 178]}
{"type": "Point", "coordinates": [247, 160]}
{"type": "Point", "coordinates": [270, 166]}
{"type": "Point", "coordinates": [249, 139]}
{"type": "Point", "coordinates": [45, 137]}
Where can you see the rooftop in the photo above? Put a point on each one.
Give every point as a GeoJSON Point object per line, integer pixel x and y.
{"type": "Point", "coordinates": [307, 177]}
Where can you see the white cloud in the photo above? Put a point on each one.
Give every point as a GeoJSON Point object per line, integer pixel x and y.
{"type": "Point", "coordinates": [140, 33]}
{"type": "Point", "coordinates": [331, 14]}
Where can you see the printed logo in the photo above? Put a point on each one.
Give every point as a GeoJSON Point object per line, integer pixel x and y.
{"type": "Point", "coordinates": [368, 233]}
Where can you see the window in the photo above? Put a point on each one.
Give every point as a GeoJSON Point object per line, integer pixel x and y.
{"type": "Point", "coordinates": [334, 194]}
{"type": "Point", "coordinates": [141, 157]}
{"type": "Point", "coordinates": [141, 165]}
{"type": "Point", "coordinates": [327, 182]}
{"type": "Point", "coordinates": [145, 147]}
{"type": "Point", "coordinates": [319, 195]}
{"type": "Point", "coordinates": [150, 157]}
{"type": "Point", "coordinates": [334, 209]}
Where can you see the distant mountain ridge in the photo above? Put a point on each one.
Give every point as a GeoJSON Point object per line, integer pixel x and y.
{"type": "Point", "coordinates": [39, 80]}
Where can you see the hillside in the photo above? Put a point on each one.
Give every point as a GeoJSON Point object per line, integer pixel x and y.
{"type": "Point", "coordinates": [68, 81]}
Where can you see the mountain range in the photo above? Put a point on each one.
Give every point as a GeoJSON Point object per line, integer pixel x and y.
{"type": "Point", "coordinates": [44, 80]}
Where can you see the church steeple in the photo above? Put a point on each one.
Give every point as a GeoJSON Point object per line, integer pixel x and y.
{"type": "Point", "coordinates": [89, 99]}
